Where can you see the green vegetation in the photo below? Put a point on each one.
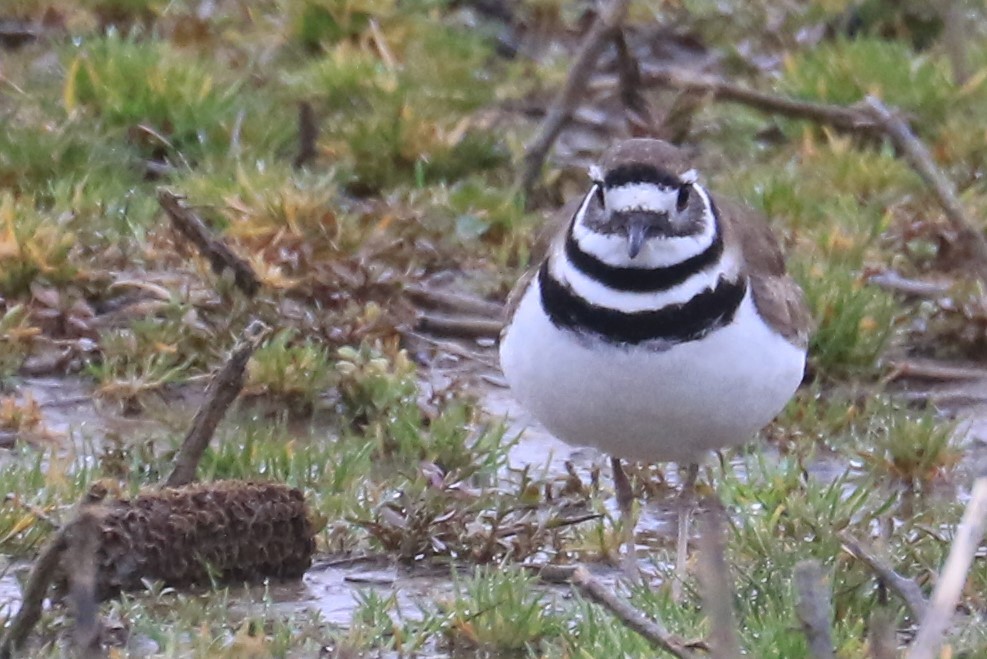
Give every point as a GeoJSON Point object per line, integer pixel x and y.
{"type": "Point", "coordinates": [421, 115]}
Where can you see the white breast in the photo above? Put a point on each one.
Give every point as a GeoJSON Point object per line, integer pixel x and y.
{"type": "Point", "coordinates": [640, 403]}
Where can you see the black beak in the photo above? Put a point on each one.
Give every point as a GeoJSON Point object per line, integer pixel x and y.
{"type": "Point", "coordinates": [639, 225]}
{"type": "Point", "coordinates": [636, 233]}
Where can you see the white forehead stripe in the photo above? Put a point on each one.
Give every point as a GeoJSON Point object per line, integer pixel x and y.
{"type": "Point", "coordinates": [642, 196]}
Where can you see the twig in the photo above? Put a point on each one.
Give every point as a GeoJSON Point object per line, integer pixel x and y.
{"type": "Point", "coordinates": [217, 252]}
{"type": "Point", "coordinates": [950, 584]}
{"type": "Point", "coordinates": [918, 156]}
{"type": "Point", "coordinates": [922, 369]}
{"type": "Point", "coordinates": [445, 300]}
{"type": "Point", "coordinates": [907, 590]}
{"type": "Point", "coordinates": [607, 20]}
{"type": "Point", "coordinates": [308, 135]}
{"type": "Point", "coordinates": [651, 630]}
{"type": "Point", "coordinates": [223, 389]}
{"type": "Point", "coordinates": [635, 105]}
{"type": "Point", "coordinates": [881, 635]}
{"type": "Point", "coordinates": [717, 593]}
{"type": "Point", "coordinates": [15, 33]}
{"type": "Point", "coordinates": [814, 608]}
{"type": "Point", "coordinates": [954, 39]}
{"type": "Point", "coordinates": [838, 116]}
{"type": "Point", "coordinates": [462, 327]}
{"type": "Point", "coordinates": [80, 556]}
{"type": "Point", "coordinates": [551, 525]}
{"type": "Point", "coordinates": [33, 597]}
{"type": "Point", "coordinates": [892, 281]}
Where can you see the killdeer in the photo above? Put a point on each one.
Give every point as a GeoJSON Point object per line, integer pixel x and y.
{"type": "Point", "coordinates": [660, 325]}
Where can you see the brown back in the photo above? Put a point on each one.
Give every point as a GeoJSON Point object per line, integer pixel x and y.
{"type": "Point", "coordinates": [778, 299]}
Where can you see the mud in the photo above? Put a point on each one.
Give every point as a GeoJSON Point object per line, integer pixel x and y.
{"type": "Point", "coordinates": [332, 588]}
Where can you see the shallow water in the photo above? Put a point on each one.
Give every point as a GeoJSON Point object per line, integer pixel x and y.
{"type": "Point", "coordinates": [332, 588]}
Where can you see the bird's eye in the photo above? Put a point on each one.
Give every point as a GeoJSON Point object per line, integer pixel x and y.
{"type": "Point", "coordinates": [683, 199]}
{"type": "Point", "coordinates": [599, 195]}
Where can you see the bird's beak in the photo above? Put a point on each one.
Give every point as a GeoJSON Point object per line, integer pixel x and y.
{"type": "Point", "coordinates": [639, 224]}
{"type": "Point", "coordinates": [636, 233]}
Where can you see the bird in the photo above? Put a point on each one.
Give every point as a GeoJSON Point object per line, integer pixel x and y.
{"type": "Point", "coordinates": [660, 325]}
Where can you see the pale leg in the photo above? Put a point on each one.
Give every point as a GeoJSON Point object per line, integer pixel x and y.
{"type": "Point", "coordinates": [686, 504]}
{"type": "Point", "coordinates": [625, 501]}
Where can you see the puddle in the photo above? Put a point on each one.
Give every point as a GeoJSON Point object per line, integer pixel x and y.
{"type": "Point", "coordinates": [334, 590]}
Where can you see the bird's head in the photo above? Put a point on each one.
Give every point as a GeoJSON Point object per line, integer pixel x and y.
{"type": "Point", "coordinates": [645, 207]}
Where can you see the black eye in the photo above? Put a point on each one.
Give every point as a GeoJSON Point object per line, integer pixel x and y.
{"type": "Point", "coordinates": [683, 199]}
{"type": "Point", "coordinates": [599, 195]}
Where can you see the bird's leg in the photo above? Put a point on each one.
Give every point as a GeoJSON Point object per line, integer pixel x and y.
{"type": "Point", "coordinates": [686, 504]}
{"type": "Point", "coordinates": [625, 501]}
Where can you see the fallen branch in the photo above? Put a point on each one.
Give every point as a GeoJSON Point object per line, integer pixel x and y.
{"type": "Point", "coordinates": [608, 19]}
{"type": "Point", "coordinates": [922, 369]}
{"type": "Point", "coordinates": [32, 599]}
{"type": "Point", "coordinates": [222, 391]}
{"type": "Point", "coordinates": [814, 608]}
{"type": "Point", "coordinates": [553, 524]}
{"type": "Point", "coordinates": [447, 301]}
{"type": "Point", "coordinates": [635, 105]}
{"type": "Point", "coordinates": [308, 135]}
{"type": "Point", "coordinates": [838, 116]}
{"type": "Point", "coordinates": [907, 590]}
{"type": "Point", "coordinates": [950, 584]}
{"type": "Point", "coordinates": [460, 327]}
{"type": "Point", "coordinates": [651, 630]}
{"type": "Point", "coordinates": [881, 634]}
{"type": "Point", "coordinates": [892, 281]}
{"type": "Point", "coordinates": [918, 156]}
{"type": "Point", "coordinates": [217, 252]}
{"type": "Point", "coordinates": [80, 554]}
{"type": "Point", "coordinates": [717, 593]}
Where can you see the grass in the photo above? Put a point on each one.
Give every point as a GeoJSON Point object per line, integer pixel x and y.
{"type": "Point", "coordinates": [421, 117]}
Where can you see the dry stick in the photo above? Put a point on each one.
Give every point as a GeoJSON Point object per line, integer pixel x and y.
{"type": "Point", "coordinates": [716, 590]}
{"type": "Point", "coordinates": [814, 608]}
{"type": "Point", "coordinates": [607, 20]}
{"type": "Point", "coordinates": [635, 105]}
{"type": "Point", "coordinates": [217, 252]}
{"type": "Point", "coordinates": [954, 39]}
{"type": "Point", "coordinates": [222, 391]}
{"type": "Point", "coordinates": [881, 634]}
{"type": "Point", "coordinates": [917, 369]}
{"type": "Point", "coordinates": [467, 328]}
{"type": "Point", "coordinates": [651, 630]}
{"type": "Point", "coordinates": [892, 281]}
{"type": "Point", "coordinates": [920, 159]}
{"type": "Point", "coordinates": [308, 135]}
{"type": "Point", "coordinates": [907, 590]}
{"type": "Point", "coordinates": [845, 118]}
{"type": "Point", "coordinates": [34, 593]}
{"type": "Point", "coordinates": [953, 576]}
{"type": "Point", "coordinates": [79, 561]}
{"type": "Point", "coordinates": [433, 299]}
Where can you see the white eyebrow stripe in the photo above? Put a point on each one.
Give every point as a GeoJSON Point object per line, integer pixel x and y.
{"type": "Point", "coordinates": [643, 196]}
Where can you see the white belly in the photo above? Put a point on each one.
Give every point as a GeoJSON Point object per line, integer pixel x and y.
{"type": "Point", "coordinates": [636, 403]}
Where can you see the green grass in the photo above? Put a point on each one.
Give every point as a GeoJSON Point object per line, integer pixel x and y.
{"type": "Point", "coordinates": [419, 127]}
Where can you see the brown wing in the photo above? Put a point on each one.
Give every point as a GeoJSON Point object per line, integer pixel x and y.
{"type": "Point", "coordinates": [778, 298]}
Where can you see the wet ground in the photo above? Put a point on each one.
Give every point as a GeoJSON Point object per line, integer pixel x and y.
{"type": "Point", "coordinates": [332, 588]}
